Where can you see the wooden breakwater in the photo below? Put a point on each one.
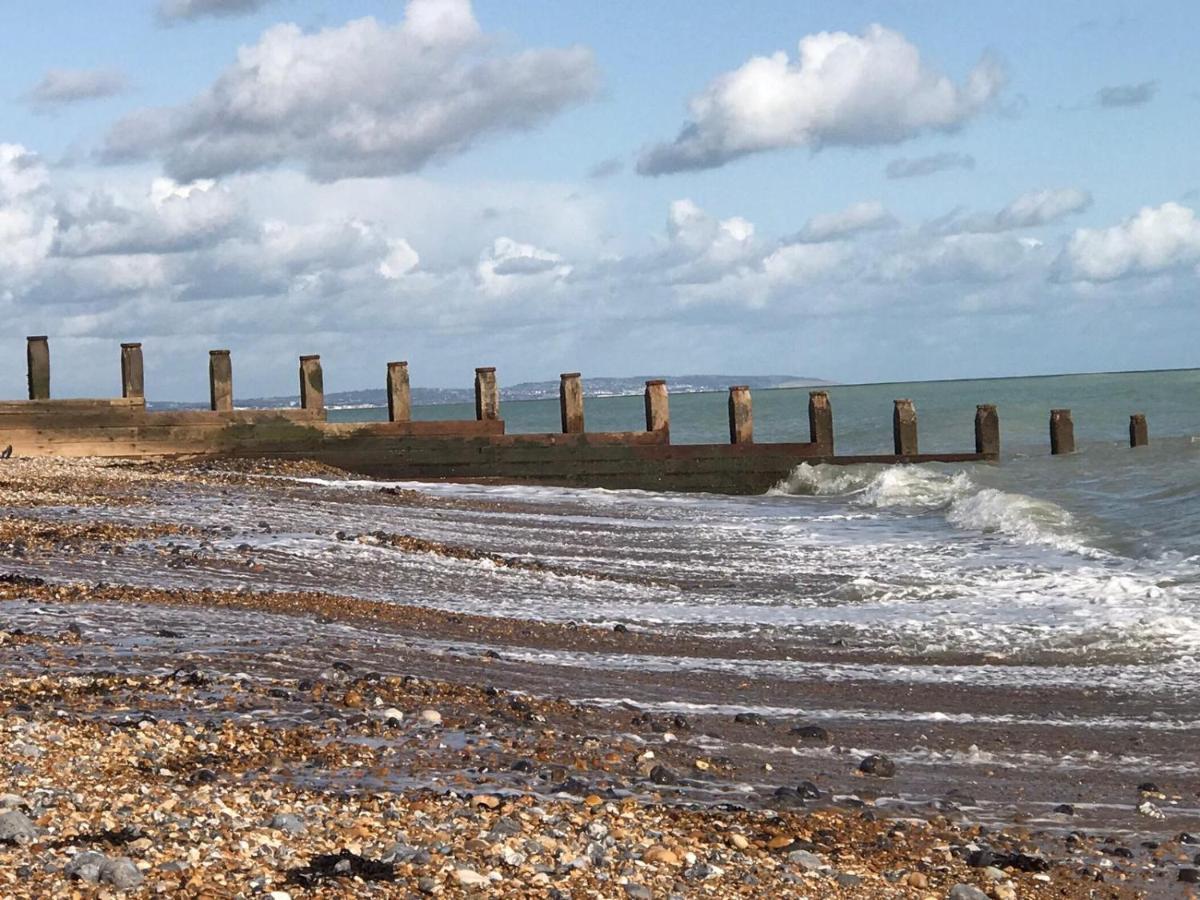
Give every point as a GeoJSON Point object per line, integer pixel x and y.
{"type": "Point", "coordinates": [476, 449]}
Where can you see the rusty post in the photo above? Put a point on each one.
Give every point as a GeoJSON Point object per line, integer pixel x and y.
{"type": "Point", "coordinates": [312, 384]}
{"type": "Point", "coordinates": [1139, 432]}
{"type": "Point", "coordinates": [658, 412]}
{"type": "Point", "coordinates": [820, 421]}
{"type": "Point", "coordinates": [133, 379]}
{"type": "Point", "coordinates": [904, 428]}
{"type": "Point", "coordinates": [37, 360]}
{"type": "Point", "coordinates": [570, 402]}
{"type": "Point", "coordinates": [220, 380]}
{"type": "Point", "coordinates": [487, 397]}
{"type": "Point", "coordinates": [741, 415]}
{"type": "Point", "coordinates": [399, 393]}
{"type": "Point", "coordinates": [1062, 432]}
{"type": "Point", "coordinates": [987, 430]}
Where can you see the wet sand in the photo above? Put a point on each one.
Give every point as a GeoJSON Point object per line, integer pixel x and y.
{"type": "Point", "coordinates": [149, 718]}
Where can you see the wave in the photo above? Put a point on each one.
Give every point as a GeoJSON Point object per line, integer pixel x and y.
{"type": "Point", "coordinates": [964, 504]}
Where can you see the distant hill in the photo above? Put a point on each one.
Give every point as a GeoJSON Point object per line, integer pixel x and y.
{"type": "Point", "coordinates": [528, 390]}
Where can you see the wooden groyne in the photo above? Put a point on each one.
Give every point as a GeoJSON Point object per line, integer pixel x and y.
{"type": "Point", "coordinates": [476, 449]}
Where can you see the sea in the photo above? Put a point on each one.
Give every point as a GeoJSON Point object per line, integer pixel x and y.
{"type": "Point", "coordinates": [1088, 559]}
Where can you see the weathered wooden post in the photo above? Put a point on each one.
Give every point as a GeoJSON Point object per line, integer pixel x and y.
{"type": "Point", "coordinates": [312, 384]}
{"type": "Point", "coordinates": [399, 393]}
{"type": "Point", "coordinates": [741, 415]}
{"type": "Point", "coordinates": [658, 412]}
{"type": "Point", "coordinates": [987, 430]}
{"type": "Point", "coordinates": [220, 380]}
{"type": "Point", "coordinates": [570, 402]}
{"type": "Point", "coordinates": [904, 428]}
{"type": "Point", "coordinates": [820, 421]}
{"type": "Point", "coordinates": [1139, 432]}
{"type": "Point", "coordinates": [133, 378]}
{"type": "Point", "coordinates": [487, 397]}
{"type": "Point", "coordinates": [37, 360]}
{"type": "Point", "coordinates": [1062, 432]}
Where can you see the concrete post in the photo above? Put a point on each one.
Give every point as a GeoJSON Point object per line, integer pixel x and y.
{"type": "Point", "coordinates": [133, 378]}
{"type": "Point", "coordinates": [820, 421]}
{"type": "Point", "coordinates": [741, 415]}
{"type": "Point", "coordinates": [399, 393]}
{"type": "Point", "coordinates": [987, 430]}
{"type": "Point", "coordinates": [904, 428]}
{"type": "Point", "coordinates": [1139, 432]}
{"type": "Point", "coordinates": [658, 412]}
{"type": "Point", "coordinates": [312, 384]}
{"type": "Point", "coordinates": [487, 396]}
{"type": "Point", "coordinates": [37, 360]}
{"type": "Point", "coordinates": [1062, 432]}
{"type": "Point", "coordinates": [220, 380]}
{"type": "Point", "coordinates": [570, 402]}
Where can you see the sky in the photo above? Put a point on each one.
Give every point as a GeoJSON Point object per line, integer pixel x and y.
{"type": "Point", "coordinates": [856, 191]}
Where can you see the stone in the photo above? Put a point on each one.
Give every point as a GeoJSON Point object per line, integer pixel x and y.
{"type": "Point", "coordinates": [85, 866]}
{"type": "Point", "coordinates": [427, 885]}
{"type": "Point", "coordinates": [638, 891]}
{"type": "Point", "coordinates": [739, 841]}
{"type": "Point", "coordinates": [1065, 809]}
{"type": "Point", "coordinates": [966, 892]}
{"type": "Point", "coordinates": [878, 766]}
{"type": "Point", "coordinates": [660, 854]}
{"type": "Point", "coordinates": [917, 880]}
{"type": "Point", "coordinates": [814, 733]}
{"type": "Point", "coordinates": [806, 860]}
{"type": "Point", "coordinates": [431, 717]}
{"type": "Point", "coordinates": [1150, 811]}
{"type": "Point", "coordinates": [287, 822]}
{"type": "Point", "coordinates": [121, 873]}
{"type": "Point", "coordinates": [1189, 876]}
{"type": "Point", "coordinates": [17, 828]}
{"type": "Point", "coordinates": [749, 718]}
{"type": "Point", "coordinates": [808, 790]}
{"type": "Point", "coordinates": [470, 878]}
{"type": "Point", "coordinates": [662, 775]}
{"type": "Point", "coordinates": [991, 873]}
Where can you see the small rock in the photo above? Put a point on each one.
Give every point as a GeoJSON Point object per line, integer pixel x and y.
{"type": "Point", "coordinates": [877, 765]}
{"type": "Point", "coordinates": [917, 880]}
{"type": "Point", "coordinates": [1189, 876]}
{"type": "Point", "coordinates": [391, 716]}
{"type": "Point", "coordinates": [1150, 811]}
{"type": "Point", "coordinates": [810, 733]}
{"type": "Point", "coordinates": [470, 878]}
{"type": "Point", "coordinates": [749, 718]}
{"type": "Point", "coordinates": [512, 857]}
{"type": "Point", "coordinates": [287, 822]}
{"type": "Point", "coordinates": [17, 828]}
{"type": "Point", "coordinates": [121, 873]}
{"type": "Point", "coordinates": [12, 801]}
{"type": "Point", "coordinates": [806, 860]}
{"type": "Point", "coordinates": [488, 801]}
{"type": "Point", "coordinates": [427, 885]}
{"type": "Point", "coordinates": [991, 873]}
{"type": "Point", "coordinates": [662, 775]}
{"type": "Point", "coordinates": [660, 854]}
{"type": "Point", "coordinates": [1065, 809]}
{"type": "Point", "coordinates": [85, 866]}
{"type": "Point", "coordinates": [433, 717]}
{"type": "Point", "coordinates": [638, 891]}
{"type": "Point", "coordinates": [966, 892]}
{"type": "Point", "coordinates": [739, 841]}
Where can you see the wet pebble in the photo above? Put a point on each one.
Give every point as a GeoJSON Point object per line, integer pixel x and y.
{"type": "Point", "coordinates": [1189, 876]}
{"type": "Point", "coordinates": [662, 775]}
{"type": "Point", "coordinates": [1065, 809]}
{"type": "Point", "coordinates": [749, 718]}
{"type": "Point", "coordinates": [877, 765]}
{"type": "Point", "coordinates": [814, 733]}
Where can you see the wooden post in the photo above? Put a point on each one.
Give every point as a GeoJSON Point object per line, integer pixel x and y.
{"type": "Point", "coordinates": [220, 380]}
{"type": "Point", "coordinates": [658, 412]}
{"type": "Point", "coordinates": [133, 379]}
{"type": "Point", "coordinates": [741, 415]}
{"type": "Point", "coordinates": [904, 428]}
{"type": "Point", "coordinates": [487, 397]}
{"type": "Point", "coordinates": [820, 421]}
{"type": "Point", "coordinates": [399, 393]}
{"type": "Point", "coordinates": [1062, 432]}
{"type": "Point", "coordinates": [37, 360]}
{"type": "Point", "coordinates": [312, 384]}
{"type": "Point", "coordinates": [570, 402]}
{"type": "Point", "coordinates": [987, 430]}
{"type": "Point", "coordinates": [1139, 433]}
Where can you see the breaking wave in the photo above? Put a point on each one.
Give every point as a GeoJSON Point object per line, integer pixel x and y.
{"type": "Point", "coordinates": [963, 503]}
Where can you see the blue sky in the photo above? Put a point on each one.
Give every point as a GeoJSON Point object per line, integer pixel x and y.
{"type": "Point", "coordinates": [517, 185]}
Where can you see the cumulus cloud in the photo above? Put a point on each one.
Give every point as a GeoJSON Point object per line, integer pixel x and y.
{"type": "Point", "coordinates": [928, 165]}
{"type": "Point", "coordinates": [1126, 94]}
{"type": "Point", "coordinates": [856, 218]}
{"type": "Point", "coordinates": [362, 99]}
{"type": "Point", "coordinates": [60, 87]}
{"type": "Point", "coordinates": [509, 265]}
{"type": "Point", "coordinates": [170, 11]}
{"type": "Point", "coordinates": [962, 258]}
{"type": "Point", "coordinates": [1042, 207]}
{"type": "Point", "coordinates": [1156, 239]}
{"type": "Point", "coordinates": [842, 89]}
{"type": "Point", "coordinates": [27, 223]}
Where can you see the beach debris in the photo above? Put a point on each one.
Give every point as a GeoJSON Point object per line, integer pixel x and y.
{"type": "Point", "coordinates": [343, 864]}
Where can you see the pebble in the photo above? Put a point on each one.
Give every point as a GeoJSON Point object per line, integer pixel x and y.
{"type": "Point", "coordinates": [810, 733]}
{"type": "Point", "coordinates": [431, 717]}
{"type": "Point", "coordinates": [739, 841]}
{"type": "Point", "coordinates": [12, 801]}
{"type": "Point", "coordinates": [1150, 811]}
{"type": "Point", "coordinates": [806, 860]}
{"type": "Point", "coordinates": [1189, 876]}
{"type": "Point", "coordinates": [1065, 809]}
{"type": "Point", "coordinates": [121, 873]}
{"type": "Point", "coordinates": [660, 854]}
{"type": "Point", "coordinates": [878, 765]}
{"type": "Point", "coordinates": [85, 866]}
{"type": "Point", "coordinates": [17, 828]}
{"type": "Point", "coordinates": [470, 878]}
{"type": "Point", "coordinates": [991, 873]}
{"type": "Point", "coordinates": [287, 822]}
{"type": "Point", "coordinates": [662, 775]}
{"type": "Point", "coordinates": [391, 715]}
{"type": "Point", "coordinates": [966, 892]}
{"type": "Point", "coordinates": [638, 891]}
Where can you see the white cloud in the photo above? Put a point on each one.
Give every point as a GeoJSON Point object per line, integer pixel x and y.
{"type": "Point", "coordinates": [170, 11]}
{"type": "Point", "coordinates": [362, 99]}
{"type": "Point", "coordinates": [508, 266]}
{"type": "Point", "coordinates": [961, 258]}
{"type": "Point", "coordinates": [928, 165]}
{"type": "Point", "coordinates": [27, 222]}
{"type": "Point", "coordinates": [1156, 239]}
{"type": "Point", "coordinates": [1030, 210]}
{"type": "Point", "coordinates": [854, 219]}
{"type": "Point", "coordinates": [400, 261]}
{"type": "Point", "coordinates": [60, 87]}
{"type": "Point", "coordinates": [842, 89]}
